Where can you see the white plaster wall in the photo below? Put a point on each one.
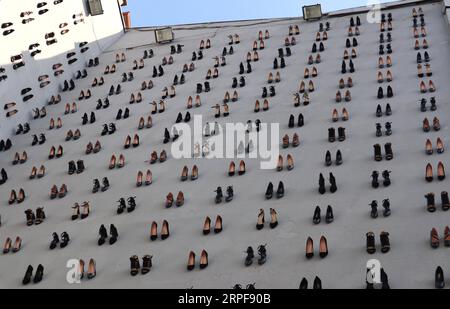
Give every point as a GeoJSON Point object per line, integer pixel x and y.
{"type": "Point", "coordinates": [99, 31]}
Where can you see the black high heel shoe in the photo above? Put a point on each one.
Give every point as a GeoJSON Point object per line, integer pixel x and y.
{"type": "Point", "coordinates": [131, 204]}
{"type": "Point", "coordinates": [374, 209]}
{"type": "Point", "coordinates": [387, 179]}
{"type": "Point", "coordinates": [122, 206]}
{"type": "Point", "coordinates": [65, 239]}
{"type": "Point", "coordinates": [333, 187]}
{"type": "Point", "coordinates": [103, 235]}
{"type": "Point", "coordinates": [146, 264]}
{"type": "Point", "coordinates": [439, 282]}
{"type": "Point", "coordinates": [262, 254]}
{"type": "Point", "coordinates": [280, 190]}
{"type": "Point", "coordinates": [250, 256]}
{"type": "Point", "coordinates": [329, 217]}
{"type": "Point", "coordinates": [219, 195]}
{"type": "Point", "coordinates": [375, 183]}
{"type": "Point", "coordinates": [269, 191]}
{"type": "Point", "coordinates": [135, 266]}
{"type": "Point", "coordinates": [387, 208]}
{"type": "Point", "coordinates": [317, 216]}
{"type": "Point", "coordinates": [27, 278]}
{"type": "Point", "coordinates": [114, 234]}
{"type": "Point", "coordinates": [322, 189]}
{"type": "Point", "coordinates": [328, 161]}
{"type": "Point", "coordinates": [39, 274]}
{"type": "Point", "coordinates": [230, 194]}
{"type": "Point", "coordinates": [54, 242]}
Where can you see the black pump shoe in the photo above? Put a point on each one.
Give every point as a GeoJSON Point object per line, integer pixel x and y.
{"type": "Point", "coordinates": [114, 235]}
{"type": "Point", "coordinates": [329, 217]}
{"type": "Point", "coordinates": [280, 190]}
{"type": "Point", "coordinates": [39, 274]}
{"type": "Point", "coordinates": [27, 278]}
{"type": "Point", "coordinates": [317, 216]}
{"type": "Point", "coordinates": [269, 191]}
{"type": "Point", "coordinates": [322, 189]}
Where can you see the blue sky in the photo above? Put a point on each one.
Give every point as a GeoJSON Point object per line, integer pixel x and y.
{"type": "Point", "coordinates": [175, 12]}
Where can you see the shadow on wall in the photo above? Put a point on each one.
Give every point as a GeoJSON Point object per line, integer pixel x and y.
{"type": "Point", "coordinates": [45, 78]}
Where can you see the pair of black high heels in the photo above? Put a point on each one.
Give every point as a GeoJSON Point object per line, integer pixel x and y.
{"type": "Point", "coordinates": [219, 195]}
{"type": "Point", "coordinates": [431, 203]}
{"type": "Point", "coordinates": [332, 134]}
{"type": "Point", "coordinates": [241, 82]}
{"type": "Point", "coordinates": [108, 129]}
{"type": "Point", "coordinates": [388, 150]}
{"type": "Point", "coordinates": [186, 119]}
{"type": "Point", "coordinates": [136, 267]}
{"type": "Point", "coordinates": [97, 187]}
{"type": "Point", "coordinates": [5, 145]}
{"type": "Point", "coordinates": [279, 64]}
{"type": "Point", "coordinates": [374, 209]}
{"type": "Point", "coordinates": [102, 104]}
{"type": "Point", "coordinates": [63, 241]}
{"type": "Point", "coordinates": [390, 92]}
{"type": "Point", "coordinates": [379, 112]}
{"type": "Point", "coordinates": [384, 239]}
{"type": "Point", "coordinates": [123, 114]}
{"type": "Point", "coordinates": [387, 126]}
{"type": "Point", "coordinates": [207, 87]}
{"type": "Point", "coordinates": [38, 140]}
{"type": "Point", "coordinates": [280, 191]}
{"type": "Point", "coordinates": [317, 285]}
{"type": "Point", "coordinates": [158, 72]}
{"type": "Point", "coordinates": [423, 105]}
{"type": "Point", "coordinates": [328, 161]}
{"type": "Point", "coordinates": [37, 277]}
{"type": "Point", "coordinates": [23, 129]}
{"type": "Point", "coordinates": [386, 179]}
{"type": "Point", "coordinates": [333, 185]}
{"type": "Point", "coordinates": [104, 235]}
{"type": "Point", "coordinates": [123, 205]}
{"type": "Point", "coordinates": [351, 67]}
{"type": "Point", "coordinates": [251, 255]}
{"type": "Point", "coordinates": [127, 78]}
{"type": "Point", "coordinates": [168, 137]}
{"type": "Point", "coordinates": [76, 167]}
{"type": "Point", "coordinates": [68, 85]}
{"type": "Point", "coordinates": [271, 92]}
{"type": "Point", "coordinates": [115, 90]}
{"type": "Point", "coordinates": [243, 70]}
{"type": "Point", "coordinates": [87, 120]}
{"type": "Point", "coordinates": [329, 217]}
{"type": "Point", "coordinates": [300, 121]}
